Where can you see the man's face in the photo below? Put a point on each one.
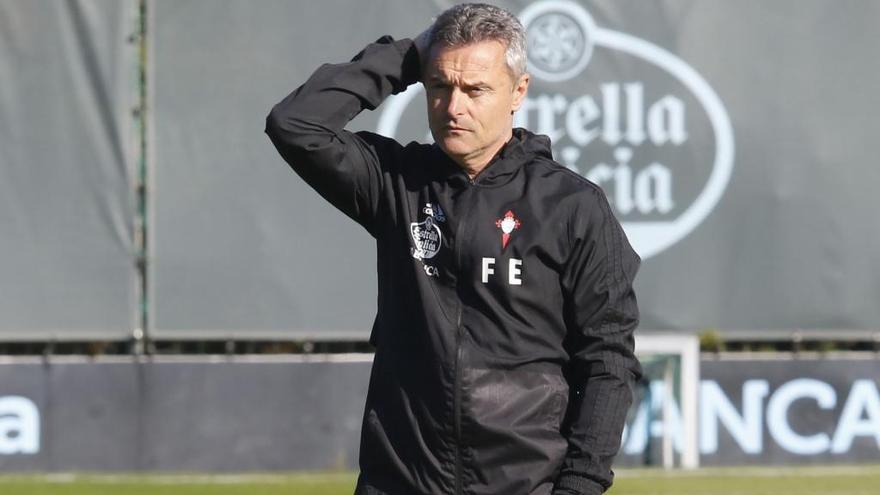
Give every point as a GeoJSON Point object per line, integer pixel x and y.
{"type": "Point", "coordinates": [471, 99]}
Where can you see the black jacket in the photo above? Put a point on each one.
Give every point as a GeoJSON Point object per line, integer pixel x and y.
{"type": "Point", "coordinates": [504, 349]}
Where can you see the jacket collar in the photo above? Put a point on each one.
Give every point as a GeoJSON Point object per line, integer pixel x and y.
{"type": "Point", "coordinates": [522, 148]}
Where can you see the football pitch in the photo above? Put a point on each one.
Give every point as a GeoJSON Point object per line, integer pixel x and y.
{"type": "Point", "coordinates": [839, 480]}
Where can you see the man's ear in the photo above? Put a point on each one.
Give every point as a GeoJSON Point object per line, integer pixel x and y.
{"type": "Point", "coordinates": [520, 89]}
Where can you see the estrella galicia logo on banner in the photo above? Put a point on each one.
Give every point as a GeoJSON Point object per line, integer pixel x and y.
{"type": "Point", "coordinates": [621, 111]}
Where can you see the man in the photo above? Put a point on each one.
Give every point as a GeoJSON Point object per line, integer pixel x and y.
{"type": "Point", "coordinates": [503, 337]}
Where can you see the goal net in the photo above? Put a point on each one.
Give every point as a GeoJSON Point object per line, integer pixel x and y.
{"type": "Point", "coordinates": [662, 425]}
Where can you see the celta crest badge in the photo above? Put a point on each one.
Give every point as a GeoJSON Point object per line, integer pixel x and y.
{"type": "Point", "coordinates": [508, 223]}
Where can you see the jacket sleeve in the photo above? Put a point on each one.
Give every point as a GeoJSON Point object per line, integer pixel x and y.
{"type": "Point", "coordinates": [601, 314]}
{"type": "Point", "coordinates": [307, 126]}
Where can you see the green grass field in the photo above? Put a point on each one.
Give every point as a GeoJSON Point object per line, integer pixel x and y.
{"type": "Point", "coordinates": [842, 480]}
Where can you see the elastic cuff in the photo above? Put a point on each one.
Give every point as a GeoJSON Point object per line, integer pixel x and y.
{"type": "Point", "coordinates": [412, 65]}
{"type": "Point", "coordinates": [576, 485]}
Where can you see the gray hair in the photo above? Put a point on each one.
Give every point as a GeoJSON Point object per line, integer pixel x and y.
{"type": "Point", "coordinates": [470, 23]}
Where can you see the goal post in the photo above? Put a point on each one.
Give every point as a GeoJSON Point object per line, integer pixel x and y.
{"type": "Point", "coordinates": [674, 359]}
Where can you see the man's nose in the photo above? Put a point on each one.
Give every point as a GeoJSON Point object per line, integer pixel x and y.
{"type": "Point", "coordinates": [455, 105]}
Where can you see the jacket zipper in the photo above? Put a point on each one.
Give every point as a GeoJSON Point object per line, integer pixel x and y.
{"type": "Point", "coordinates": [459, 330]}
{"type": "Point", "coordinates": [457, 406]}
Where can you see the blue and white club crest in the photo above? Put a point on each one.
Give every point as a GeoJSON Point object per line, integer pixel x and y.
{"type": "Point", "coordinates": [427, 239]}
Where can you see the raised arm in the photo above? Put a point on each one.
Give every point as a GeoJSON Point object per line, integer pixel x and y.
{"type": "Point", "coordinates": [601, 314]}
{"type": "Point", "coordinates": [307, 127]}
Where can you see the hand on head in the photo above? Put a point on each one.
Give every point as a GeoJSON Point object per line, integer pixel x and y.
{"type": "Point", "coordinates": [422, 42]}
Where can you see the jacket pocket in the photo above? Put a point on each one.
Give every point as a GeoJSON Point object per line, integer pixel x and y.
{"type": "Point", "coordinates": [510, 427]}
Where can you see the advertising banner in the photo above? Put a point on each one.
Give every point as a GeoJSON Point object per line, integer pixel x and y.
{"type": "Point", "coordinates": [772, 411]}
{"type": "Point", "coordinates": [279, 414]}
{"type": "Point", "coordinates": [729, 138]}
{"type": "Point", "coordinates": [180, 415]}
